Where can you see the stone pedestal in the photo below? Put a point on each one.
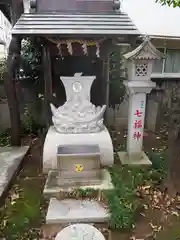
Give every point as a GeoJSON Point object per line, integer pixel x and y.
{"type": "Point", "coordinates": [80, 232]}
{"type": "Point", "coordinates": [53, 189]}
{"type": "Point", "coordinates": [55, 139]}
{"type": "Point", "coordinates": [137, 108]}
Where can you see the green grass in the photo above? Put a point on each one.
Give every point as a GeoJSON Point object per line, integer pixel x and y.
{"type": "Point", "coordinates": [21, 211]}
{"type": "Point", "coordinates": [24, 209]}
{"type": "Point", "coordinates": [122, 200]}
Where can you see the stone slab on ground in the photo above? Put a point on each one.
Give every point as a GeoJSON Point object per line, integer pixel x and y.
{"type": "Point", "coordinates": [76, 211]}
{"type": "Point", "coordinates": [80, 232]}
{"type": "Point", "coordinates": [143, 161]}
{"type": "Point", "coordinates": [10, 159]}
{"type": "Point", "coordinates": [52, 188]}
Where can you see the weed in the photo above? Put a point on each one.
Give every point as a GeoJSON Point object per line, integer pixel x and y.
{"type": "Point", "coordinates": [21, 210]}
{"type": "Point", "coordinates": [5, 139]}
{"type": "Point", "coordinates": [122, 200]}
{"type": "Point", "coordinates": [30, 126]}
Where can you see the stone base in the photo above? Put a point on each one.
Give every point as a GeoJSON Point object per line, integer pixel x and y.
{"type": "Point", "coordinates": [75, 211]}
{"type": "Point", "coordinates": [80, 231]}
{"type": "Point", "coordinates": [55, 139]}
{"type": "Point", "coordinates": [49, 231]}
{"type": "Point", "coordinates": [52, 188]}
{"type": "Point", "coordinates": [125, 160]}
{"type": "Point", "coordinates": [54, 179]}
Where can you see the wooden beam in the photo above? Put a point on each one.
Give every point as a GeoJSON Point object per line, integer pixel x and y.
{"type": "Point", "coordinates": [46, 60]}
{"type": "Point", "coordinates": [17, 9]}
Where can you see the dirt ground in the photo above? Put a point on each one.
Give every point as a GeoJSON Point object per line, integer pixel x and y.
{"type": "Point", "coordinates": [152, 221]}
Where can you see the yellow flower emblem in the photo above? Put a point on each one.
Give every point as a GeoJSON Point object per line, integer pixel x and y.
{"type": "Point", "coordinates": [78, 168]}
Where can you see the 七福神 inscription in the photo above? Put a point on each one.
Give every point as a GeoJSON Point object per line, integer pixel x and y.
{"type": "Point", "coordinates": [138, 123]}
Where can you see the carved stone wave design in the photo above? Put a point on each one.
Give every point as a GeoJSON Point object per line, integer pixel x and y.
{"type": "Point", "coordinates": [76, 123]}
{"type": "Point", "coordinates": [78, 114]}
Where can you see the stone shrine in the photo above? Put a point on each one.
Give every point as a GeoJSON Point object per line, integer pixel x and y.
{"type": "Point", "coordinates": [78, 143]}
{"type": "Point", "coordinates": [75, 148]}
{"type": "Point", "coordinates": [78, 122]}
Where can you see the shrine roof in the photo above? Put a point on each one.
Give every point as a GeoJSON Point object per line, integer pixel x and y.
{"type": "Point", "coordinates": [54, 23]}
{"type": "Point", "coordinates": [144, 51]}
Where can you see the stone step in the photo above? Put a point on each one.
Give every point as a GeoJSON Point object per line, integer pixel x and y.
{"type": "Point", "coordinates": [70, 178]}
{"type": "Point", "coordinates": [89, 174]}
{"type": "Point", "coordinates": [53, 189]}
{"type": "Point", "coordinates": [76, 211]}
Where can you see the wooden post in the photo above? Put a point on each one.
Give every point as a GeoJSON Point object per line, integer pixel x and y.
{"type": "Point", "coordinates": [105, 76]}
{"type": "Point", "coordinates": [106, 79]}
{"type": "Point", "coordinates": [47, 84]}
{"type": "Point", "coordinates": [16, 10]}
{"type": "Point", "coordinates": [12, 68]}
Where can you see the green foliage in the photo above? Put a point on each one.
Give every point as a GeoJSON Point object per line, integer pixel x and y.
{"type": "Point", "coordinates": [122, 200]}
{"type": "Point", "coordinates": [84, 193]}
{"type": "Point", "coordinates": [5, 139]}
{"type": "Point", "coordinates": [159, 167]}
{"type": "Point", "coordinates": [173, 3]}
{"type": "Point", "coordinates": [2, 68]}
{"type": "Point", "coordinates": [31, 59]}
{"type": "Point", "coordinates": [23, 210]}
{"type": "Point", "coordinates": [29, 123]}
{"type": "Point", "coordinates": [20, 213]}
{"type": "Point", "coordinates": [116, 75]}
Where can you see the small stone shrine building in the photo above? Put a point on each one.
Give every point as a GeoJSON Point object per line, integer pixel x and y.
{"type": "Point", "coordinates": [76, 36]}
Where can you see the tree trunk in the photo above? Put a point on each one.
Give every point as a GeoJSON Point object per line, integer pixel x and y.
{"type": "Point", "coordinates": [10, 88]}
{"type": "Point", "coordinates": [173, 178]}
{"type": "Point", "coordinates": [173, 124]}
{"type": "Point", "coordinates": [12, 68]}
{"type": "Point", "coordinates": [46, 61]}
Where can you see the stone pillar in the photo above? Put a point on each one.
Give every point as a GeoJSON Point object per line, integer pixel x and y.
{"type": "Point", "coordinates": [139, 84]}
{"type": "Point", "coordinates": [136, 124]}
{"type": "Point", "coordinates": [136, 117]}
